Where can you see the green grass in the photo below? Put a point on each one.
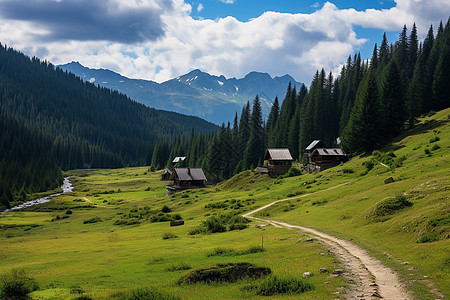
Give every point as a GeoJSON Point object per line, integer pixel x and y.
{"type": "Point", "coordinates": [103, 259]}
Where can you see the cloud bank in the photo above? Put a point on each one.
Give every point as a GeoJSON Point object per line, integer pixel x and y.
{"type": "Point", "coordinates": [159, 40]}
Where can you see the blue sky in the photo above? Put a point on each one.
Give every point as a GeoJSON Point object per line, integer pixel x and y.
{"type": "Point", "coordinates": [162, 39]}
{"type": "Point", "coordinates": [244, 10]}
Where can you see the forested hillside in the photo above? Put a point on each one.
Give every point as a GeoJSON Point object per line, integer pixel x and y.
{"type": "Point", "coordinates": [366, 106]}
{"type": "Point", "coordinates": [52, 119]}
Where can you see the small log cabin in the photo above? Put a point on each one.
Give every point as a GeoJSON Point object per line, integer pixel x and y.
{"type": "Point", "coordinates": [320, 157]}
{"type": "Point", "coordinates": [279, 161]}
{"type": "Point", "coordinates": [186, 178]}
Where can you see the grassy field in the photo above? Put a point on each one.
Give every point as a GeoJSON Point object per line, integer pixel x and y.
{"type": "Point", "coordinates": [109, 235]}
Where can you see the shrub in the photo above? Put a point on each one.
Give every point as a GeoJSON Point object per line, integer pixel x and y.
{"type": "Point", "coordinates": [219, 251]}
{"type": "Point", "coordinates": [179, 267]}
{"type": "Point", "coordinates": [231, 252]}
{"type": "Point", "coordinates": [169, 235]}
{"type": "Point", "coordinates": [435, 147]}
{"type": "Point", "coordinates": [93, 220]}
{"type": "Point", "coordinates": [17, 285]}
{"type": "Point", "coordinates": [143, 293]}
{"type": "Point", "coordinates": [434, 139]}
{"type": "Point", "coordinates": [68, 212]}
{"type": "Point", "coordinates": [428, 238]}
{"type": "Point", "coordinates": [293, 171]}
{"type": "Point", "coordinates": [349, 171]}
{"type": "Point", "coordinates": [231, 272]}
{"type": "Point", "coordinates": [276, 285]}
{"type": "Point", "coordinates": [369, 165]}
{"type": "Point", "coordinates": [166, 209]}
{"type": "Point", "coordinates": [391, 205]}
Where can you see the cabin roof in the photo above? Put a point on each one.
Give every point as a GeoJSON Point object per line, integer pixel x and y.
{"type": "Point", "coordinates": [188, 174]}
{"type": "Point", "coordinates": [314, 144]}
{"type": "Point", "coordinates": [329, 151]}
{"type": "Point", "coordinates": [278, 154]}
{"type": "Point", "coordinates": [178, 159]}
{"type": "Point", "coordinates": [167, 171]}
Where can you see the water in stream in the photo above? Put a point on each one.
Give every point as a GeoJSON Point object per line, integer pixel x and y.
{"type": "Point", "coordinates": [66, 187]}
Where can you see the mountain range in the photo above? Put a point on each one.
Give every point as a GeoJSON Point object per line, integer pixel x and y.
{"type": "Point", "coordinates": [197, 93]}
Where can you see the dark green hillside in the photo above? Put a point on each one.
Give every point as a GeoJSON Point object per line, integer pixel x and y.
{"type": "Point", "coordinates": [80, 125]}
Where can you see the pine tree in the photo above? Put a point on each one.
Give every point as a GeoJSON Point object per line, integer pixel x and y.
{"type": "Point", "coordinates": [363, 131]}
{"type": "Point", "coordinates": [271, 123]}
{"type": "Point", "coordinates": [393, 99]}
{"type": "Point", "coordinates": [254, 151]}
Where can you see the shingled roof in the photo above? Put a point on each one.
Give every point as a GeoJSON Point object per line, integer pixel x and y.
{"type": "Point", "coordinates": [330, 151]}
{"type": "Point", "coordinates": [278, 154]}
{"type": "Point", "coordinates": [188, 174]}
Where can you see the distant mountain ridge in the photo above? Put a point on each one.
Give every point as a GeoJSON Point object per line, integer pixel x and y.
{"type": "Point", "coordinates": [213, 98]}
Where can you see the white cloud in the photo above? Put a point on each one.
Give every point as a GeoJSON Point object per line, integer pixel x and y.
{"type": "Point", "coordinates": [228, 1]}
{"type": "Point", "coordinates": [277, 43]}
{"type": "Point", "coordinates": [200, 7]}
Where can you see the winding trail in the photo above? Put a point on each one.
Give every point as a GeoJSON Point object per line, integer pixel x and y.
{"type": "Point", "coordinates": [368, 277]}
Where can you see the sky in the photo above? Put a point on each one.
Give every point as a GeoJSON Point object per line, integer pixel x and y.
{"type": "Point", "coordinates": [162, 39]}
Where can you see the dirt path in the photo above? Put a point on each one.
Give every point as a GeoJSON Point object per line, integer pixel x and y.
{"type": "Point", "coordinates": [98, 205]}
{"type": "Point", "coordinates": [368, 277]}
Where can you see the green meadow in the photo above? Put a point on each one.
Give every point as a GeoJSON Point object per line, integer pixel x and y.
{"type": "Point", "coordinates": [112, 234]}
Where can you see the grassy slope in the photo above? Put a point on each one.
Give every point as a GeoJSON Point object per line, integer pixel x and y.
{"type": "Point", "coordinates": [101, 258]}
{"type": "Point", "coordinates": [346, 211]}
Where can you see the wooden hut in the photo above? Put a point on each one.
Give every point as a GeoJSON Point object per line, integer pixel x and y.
{"type": "Point", "coordinates": [320, 157]}
{"type": "Point", "coordinates": [186, 178]}
{"type": "Point", "coordinates": [166, 175]}
{"type": "Point", "coordinates": [279, 161]}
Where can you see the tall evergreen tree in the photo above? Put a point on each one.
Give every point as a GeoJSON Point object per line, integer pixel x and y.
{"type": "Point", "coordinates": [254, 151]}
{"type": "Point", "coordinates": [393, 101]}
{"type": "Point", "coordinates": [363, 131]}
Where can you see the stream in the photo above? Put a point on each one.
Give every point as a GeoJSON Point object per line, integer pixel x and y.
{"type": "Point", "coordinates": [66, 187]}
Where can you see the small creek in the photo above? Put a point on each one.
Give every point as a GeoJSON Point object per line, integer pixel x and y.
{"type": "Point", "coordinates": [66, 187]}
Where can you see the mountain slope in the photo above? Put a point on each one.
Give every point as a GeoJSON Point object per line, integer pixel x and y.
{"type": "Point", "coordinates": [214, 98]}
{"type": "Point", "coordinates": [83, 126]}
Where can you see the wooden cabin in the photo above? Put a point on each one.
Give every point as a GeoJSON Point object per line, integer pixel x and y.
{"type": "Point", "coordinates": [320, 157]}
{"type": "Point", "coordinates": [279, 161]}
{"type": "Point", "coordinates": [186, 178]}
{"type": "Point", "coordinates": [166, 175]}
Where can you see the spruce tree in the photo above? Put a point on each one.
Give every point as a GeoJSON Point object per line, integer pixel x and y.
{"type": "Point", "coordinates": [254, 151]}
{"type": "Point", "coordinates": [363, 131]}
{"type": "Point", "coordinates": [393, 101]}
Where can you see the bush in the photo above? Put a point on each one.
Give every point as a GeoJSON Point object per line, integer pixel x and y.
{"type": "Point", "coordinates": [434, 139]}
{"type": "Point", "coordinates": [231, 272]}
{"type": "Point", "coordinates": [391, 205]}
{"type": "Point", "coordinates": [93, 220]}
{"type": "Point", "coordinates": [68, 212]}
{"type": "Point", "coordinates": [17, 285]}
{"type": "Point", "coordinates": [435, 147]}
{"type": "Point", "coordinates": [143, 293]}
{"type": "Point", "coordinates": [169, 235]}
{"type": "Point", "coordinates": [166, 209]}
{"type": "Point", "coordinates": [349, 171]}
{"type": "Point", "coordinates": [276, 285]}
{"type": "Point", "coordinates": [293, 171]}
{"type": "Point", "coordinates": [428, 238]}
{"type": "Point", "coordinates": [219, 251]}
{"type": "Point", "coordinates": [369, 165]}
{"type": "Point", "coordinates": [179, 267]}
